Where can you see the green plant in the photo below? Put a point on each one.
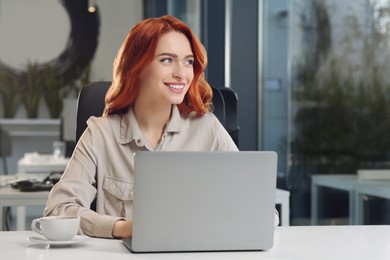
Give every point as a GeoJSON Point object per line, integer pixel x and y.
{"type": "Point", "coordinates": [31, 89]}
{"type": "Point", "coordinates": [53, 92]}
{"type": "Point", "coordinates": [10, 93]}
{"type": "Point", "coordinates": [27, 88]}
{"type": "Point", "coordinates": [55, 89]}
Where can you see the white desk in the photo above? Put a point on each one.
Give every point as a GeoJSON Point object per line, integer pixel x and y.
{"type": "Point", "coordinates": [292, 243]}
{"type": "Point", "coordinates": [13, 197]}
{"type": "Point", "coordinates": [356, 190]}
{"type": "Point", "coordinates": [379, 189]}
{"type": "Point", "coordinates": [346, 182]}
{"type": "Point", "coordinates": [34, 164]}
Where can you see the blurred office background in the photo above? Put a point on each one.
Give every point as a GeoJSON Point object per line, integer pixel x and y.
{"type": "Point", "coordinates": [311, 78]}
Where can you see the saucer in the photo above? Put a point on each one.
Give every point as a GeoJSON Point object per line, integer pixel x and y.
{"type": "Point", "coordinates": [75, 240]}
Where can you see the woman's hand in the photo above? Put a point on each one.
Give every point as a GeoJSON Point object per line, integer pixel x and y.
{"type": "Point", "coordinates": [122, 229]}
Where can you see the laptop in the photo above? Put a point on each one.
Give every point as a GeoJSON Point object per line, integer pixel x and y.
{"type": "Point", "coordinates": [203, 201]}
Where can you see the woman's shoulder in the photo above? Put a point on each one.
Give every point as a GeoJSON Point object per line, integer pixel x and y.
{"type": "Point", "coordinates": [209, 116]}
{"type": "Point", "coordinates": [207, 119]}
{"type": "Point", "coordinates": [103, 120]}
{"type": "Point", "coordinates": [103, 124]}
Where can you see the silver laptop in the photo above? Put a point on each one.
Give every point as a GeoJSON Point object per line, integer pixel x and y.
{"type": "Point", "coordinates": [203, 201]}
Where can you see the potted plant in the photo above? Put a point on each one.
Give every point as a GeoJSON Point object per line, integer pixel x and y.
{"type": "Point", "coordinates": [10, 93]}
{"type": "Point", "coordinates": [31, 90]}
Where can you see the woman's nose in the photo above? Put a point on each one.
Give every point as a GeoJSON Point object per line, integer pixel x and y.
{"type": "Point", "coordinates": [178, 72]}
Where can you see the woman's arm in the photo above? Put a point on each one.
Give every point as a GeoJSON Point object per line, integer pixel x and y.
{"type": "Point", "coordinates": [74, 193]}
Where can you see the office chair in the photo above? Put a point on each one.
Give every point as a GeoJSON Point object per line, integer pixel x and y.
{"type": "Point", "coordinates": [219, 108]}
{"type": "Point", "coordinates": [231, 99]}
{"type": "Point", "coordinates": [91, 103]}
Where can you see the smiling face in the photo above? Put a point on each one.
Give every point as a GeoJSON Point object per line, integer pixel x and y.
{"type": "Point", "coordinates": [167, 78]}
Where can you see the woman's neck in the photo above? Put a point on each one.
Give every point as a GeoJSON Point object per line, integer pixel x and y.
{"type": "Point", "coordinates": [152, 120]}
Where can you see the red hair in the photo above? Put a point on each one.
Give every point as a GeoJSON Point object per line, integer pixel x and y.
{"type": "Point", "coordinates": [137, 51]}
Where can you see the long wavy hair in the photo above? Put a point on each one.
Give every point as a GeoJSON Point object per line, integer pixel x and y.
{"type": "Point", "coordinates": [138, 50]}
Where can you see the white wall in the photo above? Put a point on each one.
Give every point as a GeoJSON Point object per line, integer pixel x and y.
{"type": "Point", "coordinates": [38, 30]}
{"type": "Point", "coordinates": [26, 33]}
{"type": "Point", "coordinates": [117, 19]}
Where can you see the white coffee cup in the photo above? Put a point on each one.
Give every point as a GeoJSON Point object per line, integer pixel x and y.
{"type": "Point", "coordinates": [56, 228]}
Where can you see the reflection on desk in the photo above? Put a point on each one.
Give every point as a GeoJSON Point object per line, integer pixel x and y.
{"type": "Point", "coordinates": [315, 242]}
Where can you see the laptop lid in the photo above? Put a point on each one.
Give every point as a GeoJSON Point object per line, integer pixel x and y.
{"type": "Point", "coordinates": [203, 201]}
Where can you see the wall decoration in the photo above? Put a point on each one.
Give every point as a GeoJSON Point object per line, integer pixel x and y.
{"type": "Point", "coordinates": [67, 68]}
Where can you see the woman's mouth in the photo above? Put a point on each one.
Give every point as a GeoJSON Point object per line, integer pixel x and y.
{"type": "Point", "coordinates": [177, 88]}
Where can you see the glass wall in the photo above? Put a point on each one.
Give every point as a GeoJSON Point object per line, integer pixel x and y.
{"type": "Point", "coordinates": [331, 80]}
{"type": "Point", "coordinates": [188, 11]}
{"type": "Point", "coordinates": [323, 92]}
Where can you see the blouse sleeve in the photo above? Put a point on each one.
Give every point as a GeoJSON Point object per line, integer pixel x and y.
{"type": "Point", "coordinates": [224, 140]}
{"type": "Point", "coordinates": [73, 194]}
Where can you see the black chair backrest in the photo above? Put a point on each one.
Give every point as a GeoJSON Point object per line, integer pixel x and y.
{"type": "Point", "coordinates": [91, 103]}
{"type": "Point", "coordinates": [231, 100]}
{"type": "Point", "coordinates": [219, 108]}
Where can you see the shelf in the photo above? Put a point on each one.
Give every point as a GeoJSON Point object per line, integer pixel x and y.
{"type": "Point", "coordinates": [31, 127]}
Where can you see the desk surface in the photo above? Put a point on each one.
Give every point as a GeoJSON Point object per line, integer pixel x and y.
{"type": "Point", "coordinates": [307, 242]}
{"type": "Point", "coordinates": [337, 181]}
{"type": "Point", "coordinates": [351, 183]}
{"type": "Point", "coordinates": [379, 188]}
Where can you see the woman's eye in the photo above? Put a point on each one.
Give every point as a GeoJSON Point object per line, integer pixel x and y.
{"type": "Point", "coordinates": [166, 60]}
{"type": "Point", "coordinates": [189, 62]}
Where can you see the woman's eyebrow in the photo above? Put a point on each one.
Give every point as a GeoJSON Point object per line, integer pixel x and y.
{"type": "Point", "coordinates": [173, 55]}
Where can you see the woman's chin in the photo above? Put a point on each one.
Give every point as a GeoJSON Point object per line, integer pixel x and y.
{"type": "Point", "coordinates": [177, 101]}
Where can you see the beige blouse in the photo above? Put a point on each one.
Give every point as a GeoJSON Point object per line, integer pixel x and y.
{"type": "Point", "coordinates": [102, 165]}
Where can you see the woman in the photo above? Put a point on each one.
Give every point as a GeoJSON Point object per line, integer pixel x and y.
{"type": "Point", "coordinates": [159, 100]}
